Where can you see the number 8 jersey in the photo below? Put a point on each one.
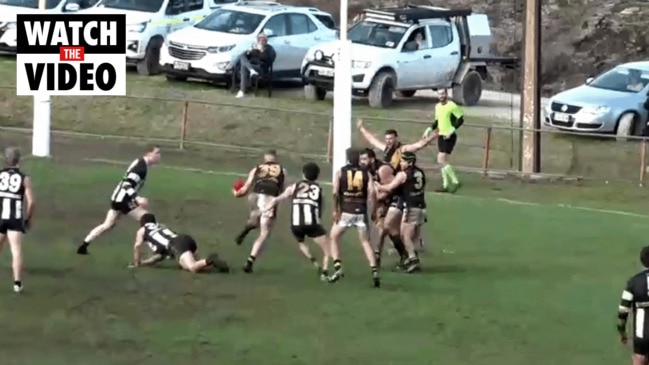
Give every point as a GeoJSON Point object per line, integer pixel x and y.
{"type": "Point", "coordinates": [12, 195]}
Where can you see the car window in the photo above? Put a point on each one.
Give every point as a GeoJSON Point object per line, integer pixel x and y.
{"type": "Point", "coordinates": [149, 6]}
{"type": "Point", "coordinates": [377, 34]}
{"type": "Point", "coordinates": [417, 40]}
{"type": "Point", "coordinates": [622, 79]}
{"type": "Point", "coordinates": [193, 5]}
{"type": "Point", "coordinates": [441, 35]}
{"type": "Point", "coordinates": [230, 21]}
{"type": "Point", "coordinates": [327, 20]}
{"type": "Point", "coordinates": [301, 24]}
{"type": "Point", "coordinates": [277, 24]}
{"type": "Point", "coordinates": [175, 7]}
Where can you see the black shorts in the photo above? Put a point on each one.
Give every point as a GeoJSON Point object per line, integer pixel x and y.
{"type": "Point", "coordinates": [446, 145]}
{"type": "Point", "coordinates": [312, 231]}
{"type": "Point", "coordinates": [14, 225]}
{"type": "Point", "coordinates": [183, 243]}
{"type": "Point", "coordinates": [125, 206]}
{"type": "Point", "coordinates": [396, 203]}
{"type": "Point", "coordinates": [641, 346]}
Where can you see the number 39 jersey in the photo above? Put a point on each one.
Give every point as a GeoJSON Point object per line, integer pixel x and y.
{"type": "Point", "coordinates": [269, 179]}
{"type": "Point", "coordinates": [158, 237]}
{"type": "Point", "coordinates": [12, 194]}
{"type": "Point", "coordinates": [307, 204]}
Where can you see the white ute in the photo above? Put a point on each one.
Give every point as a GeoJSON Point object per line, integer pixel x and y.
{"type": "Point", "coordinates": [10, 8]}
{"type": "Point", "coordinates": [402, 50]}
{"type": "Point", "coordinates": [149, 22]}
{"type": "Point", "coordinates": [210, 49]}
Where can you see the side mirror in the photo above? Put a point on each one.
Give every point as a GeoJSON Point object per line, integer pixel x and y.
{"type": "Point", "coordinates": [589, 80]}
{"type": "Point", "coordinates": [71, 7]}
{"type": "Point", "coordinates": [268, 32]}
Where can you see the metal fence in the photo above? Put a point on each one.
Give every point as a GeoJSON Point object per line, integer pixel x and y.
{"type": "Point", "coordinates": [190, 123]}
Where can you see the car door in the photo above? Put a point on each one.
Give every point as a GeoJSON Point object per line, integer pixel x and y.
{"type": "Point", "coordinates": [446, 53]}
{"type": "Point", "coordinates": [276, 28]}
{"type": "Point", "coordinates": [412, 61]}
{"type": "Point", "coordinates": [174, 15]}
{"type": "Point", "coordinates": [195, 10]}
{"type": "Point", "coordinates": [303, 34]}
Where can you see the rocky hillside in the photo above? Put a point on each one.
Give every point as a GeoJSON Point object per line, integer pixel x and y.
{"type": "Point", "coordinates": [580, 37]}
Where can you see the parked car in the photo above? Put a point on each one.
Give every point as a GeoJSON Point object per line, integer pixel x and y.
{"type": "Point", "coordinates": [610, 103]}
{"type": "Point", "coordinates": [209, 49]}
{"type": "Point", "coordinates": [148, 22]}
{"type": "Point", "coordinates": [10, 8]}
{"type": "Point", "coordinates": [407, 49]}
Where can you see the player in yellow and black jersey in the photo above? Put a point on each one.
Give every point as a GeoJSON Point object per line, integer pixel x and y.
{"type": "Point", "coordinates": [265, 181]}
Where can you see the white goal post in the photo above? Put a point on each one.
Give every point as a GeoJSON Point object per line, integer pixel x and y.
{"type": "Point", "coordinates": [42, 117]}
{"type": "Point", "coordinates": [342, 113]}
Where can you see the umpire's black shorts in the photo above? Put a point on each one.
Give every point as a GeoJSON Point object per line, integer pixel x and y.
{"type": "Point", "coordinates": [446, 144]}
{"type": "Point", "coordinates": [641, 346]}
{"type": "Point", "coordinates": [183, 243]}
{"type": "Point", "coordinates": [312, 231]}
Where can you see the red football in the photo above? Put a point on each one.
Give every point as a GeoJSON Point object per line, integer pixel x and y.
{"type": "Point", "coordinates": [238, 184]}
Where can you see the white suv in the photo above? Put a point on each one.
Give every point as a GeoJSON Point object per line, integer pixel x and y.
{"type": "Point", "coordinates": [209, 49]}
{"type": "Point", "coordinates": [149, 22]}
{"type": "Point", "coordinates": [10, 8]}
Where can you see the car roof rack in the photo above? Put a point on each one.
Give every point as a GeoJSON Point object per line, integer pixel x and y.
{"type": "Point", "coordinates": [415, 13]}
{"type": "Point", "coordinates": [259, 3]}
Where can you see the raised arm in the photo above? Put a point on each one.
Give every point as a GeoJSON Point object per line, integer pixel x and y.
{"type": "Point", "coordinates": [369, 137]}
{"type": "Point", "coordinates": [29, 195]}
{"type": "Point", "coordinates": [414, 147]}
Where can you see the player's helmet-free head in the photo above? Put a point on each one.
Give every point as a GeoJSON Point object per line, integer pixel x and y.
{"type": "Point", "coordinates": [147, 218]}
{"type": "Point", "coordinates": [644, 256]}
{"type": "Point", "coordinates": [311, 171]}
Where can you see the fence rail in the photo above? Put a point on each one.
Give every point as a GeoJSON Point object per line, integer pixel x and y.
{"type": "Point", "coordinates": [482, 148]}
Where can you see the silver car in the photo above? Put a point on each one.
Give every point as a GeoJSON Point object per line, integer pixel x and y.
{"type": "Point", "coordinates": [613, 102]}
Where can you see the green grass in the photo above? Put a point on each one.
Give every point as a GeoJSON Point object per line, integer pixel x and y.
{"type": "Point", "coordinates": [503, 284]}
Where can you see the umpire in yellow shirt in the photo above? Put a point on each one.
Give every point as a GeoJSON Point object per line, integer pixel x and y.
{"type": "Point", "coordinates": [448, 118]}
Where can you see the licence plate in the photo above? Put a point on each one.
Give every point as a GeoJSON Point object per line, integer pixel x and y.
{"type": "Point", "coordinates": [327, 73]}
{"type": "Point", "coordinates": [182, 66]}
{"type": "Point", "coordinates": [561, 117]}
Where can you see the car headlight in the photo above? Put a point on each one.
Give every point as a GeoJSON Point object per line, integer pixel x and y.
{"type": "Point", "coordinates": [361, 64]}
{"type": "Point", "coordinates": [136, 28]}
{"type": "Point", "coordinates": [11, 25]}
{"type": "Point", "coordinates": [220, 49]}
{"type": "Point", "coordinates": [318, 55]}
{"type": "Point", "coordinates": [595, 109]}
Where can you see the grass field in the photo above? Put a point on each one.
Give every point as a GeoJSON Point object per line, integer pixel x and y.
{"type": "Point", "coordinates": [514, 273]}
{"type": "Point", "coordinates": [503, 284]}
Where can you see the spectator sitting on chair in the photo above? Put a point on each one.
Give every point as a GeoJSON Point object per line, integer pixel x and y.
{"type": "Point", "coordinates": [257, 59]}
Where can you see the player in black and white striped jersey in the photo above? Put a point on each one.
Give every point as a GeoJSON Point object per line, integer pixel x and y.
{"type": "Point", "coordinates": [125, 199]}
{"type": "Point", "coordinates": [635, 299]}
{"type": "Point", "coordinates": [306, 215]}
{"type": "Point", "coordinates": [16, 208]}
{"type": "Point", "coordinates": [167, 244]}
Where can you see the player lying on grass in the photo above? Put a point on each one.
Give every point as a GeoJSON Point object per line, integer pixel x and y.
{"type": "Point", "coordinates": [125, 199]}
{"type": "Point", "coordinates": [265, 181]}
{"type": "Point", "coordinates": [166, 244]}
{"type": "Point", "coordinates": [306, 215]}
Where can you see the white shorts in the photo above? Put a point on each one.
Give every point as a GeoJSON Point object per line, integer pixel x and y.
{"type": "Point", "coordinates": [261, 202]}
{"type": "Point", "coordinates": [353, 220]}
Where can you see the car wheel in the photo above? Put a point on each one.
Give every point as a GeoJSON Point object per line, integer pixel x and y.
{"type": "Point", "coordinates": [625, 126]}
{"type": "Point", "coordinates": [314, 93]}
{"type": "Point", "coordinates": [381, 90]}
{"type": "Point", "coordinates": [150, 65]}
{"type": "Point", "coordinates": [470, 89]}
